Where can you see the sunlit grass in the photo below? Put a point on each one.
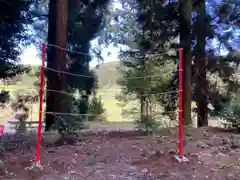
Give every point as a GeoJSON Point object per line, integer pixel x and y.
{"type": "Point", "coordinates": [114, 113]}
{"type": "Point", "coordinates": [108, 96]}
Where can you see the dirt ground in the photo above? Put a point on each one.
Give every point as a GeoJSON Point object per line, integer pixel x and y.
{"type": "Point", "coordinates": [212, 154]}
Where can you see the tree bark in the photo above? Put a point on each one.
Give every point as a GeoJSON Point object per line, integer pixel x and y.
{"type": "Point", "coordinates": [57, 35]}
{"type": "Point", "coordinates": [144, 112]}
{"type": "Point", "coordinates": [51, 63]}
{"type": "Point", "coordinates": [61, 41]}
{"type": "Point", "coordinates": [185, 9]}
{"type": "Point", "coordinates": [201, 76]}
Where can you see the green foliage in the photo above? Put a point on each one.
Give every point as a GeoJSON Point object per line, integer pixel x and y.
{"type": "Point", "coordinates": [4, 98]}
{"type": "Point", "coordinates": [96, 109]}
{"type": "Point", "coordinates": [148, 66]}
{"type": "Point", "coordinates": [153, 79]}
{"type": "Point", "coordinates": [144, 83]}
{"type": "Point", "coordinates": [120, 25]}
{"type": "Point", "coordinates": [84, 22]}
{"type": "Point", "coordinates": [21, 95]}
{"type": "Point", "coordinates": [158, 25]}
{"type": "Point", "coordinates": [154, 30]}
{"type": "Point", "coordinates": [14, 16]}
{"type": "Point", "coordinates": [22, 101]}
{"type": "Point", "coordinates": [148, 124]}
{"type": "Point", "coordinates": [231, 114]}
{"type": "Point", "coordinates": [27, 81]}
{"type": "Point", "coordinates": [107, 74]}
{"type": "Point", "coordinates": [72, 121]}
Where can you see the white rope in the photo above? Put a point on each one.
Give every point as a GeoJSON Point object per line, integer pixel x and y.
{"type": "Point", "coordinates": [113, 114]}
{"type": "Point", "coordinates": [87, 54]}
{"type": "Point", "coordinates": [109, 95]}
{"type": "Point", "coordinates": [76, 52]}
{"type": "Point", "coordinates": [86, 76]}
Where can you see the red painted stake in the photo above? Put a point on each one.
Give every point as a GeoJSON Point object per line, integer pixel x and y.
{"type": "Point", "coordinates": [1, 130]}
{"type": "Point", "coordinates": [180, 102]}
{"type": "Point", "coordinates": [40, 107]}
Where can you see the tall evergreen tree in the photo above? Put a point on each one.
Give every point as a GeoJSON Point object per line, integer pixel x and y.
{"type": "Point", "coordinates": [51, 63]}
{"type": "Point", "coordinates": [200, 64]}
{"type": "Point", "coordinates": [224, 14]}
{"type": "Point", "coordinates": [163, 21]}
{"type": "Point", "coordinates": [84, 22]}
{"type": "Point", "coordinates": [14, 18]}
{"type": "Point", "coordinates": [144, 60]}
{"type": "Point", "coordinates": [185, 13]}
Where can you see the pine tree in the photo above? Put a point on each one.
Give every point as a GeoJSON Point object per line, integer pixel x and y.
{"type": "Point", "coordinates": [145, 73]}
{"type": "Point", "coordinates": [14, 16]}
{"type": "Point", "coordinates": [50, 103]}
{"type": "Point", "coordinates": [83, 24]}
{"type": "Point", "coordinates": [163, 21]}
{"type": "Point", "coordinates": [185, 12]}
{"type": "Point", "coordinates": [96, 109]}
{"type": "Point", "coordinates": [202, 20]}
{"type": "Point", "coordinates": [223, 67]}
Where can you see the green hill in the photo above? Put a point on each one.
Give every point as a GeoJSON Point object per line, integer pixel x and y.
{"type": "Point", "coordinates": [107, 74]}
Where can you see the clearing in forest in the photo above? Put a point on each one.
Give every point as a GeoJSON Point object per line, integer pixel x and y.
{"type": "Point", "coordinates": [212, 153]}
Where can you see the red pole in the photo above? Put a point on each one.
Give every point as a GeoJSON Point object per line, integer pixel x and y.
{"type": "Point", "coordinates": [180, 102]}
{"type": "Point", "coordinates": [40, 107]}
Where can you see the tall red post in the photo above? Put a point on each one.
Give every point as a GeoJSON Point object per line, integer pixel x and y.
{"type": "Point", "coordinates": [180, 102]}
{"type": "Point", "coordinates": [40, 107]}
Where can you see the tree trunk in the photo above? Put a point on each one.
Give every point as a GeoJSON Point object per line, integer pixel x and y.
{"type": "Point", "coordinates": [143, 105]}
{"type": "Point", "coordinates": [201, 80]}
{"type": "Point", "coordinates": [185, 9]}
{"type": "Point", "coordinates": [51, 63]}
{"type": "Point", "coordinates": [61, 41]}
{"type": "Point", "coordinates": [57, 35]}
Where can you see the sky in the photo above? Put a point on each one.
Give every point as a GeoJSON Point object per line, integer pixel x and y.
{"type": "Point", "coordinates": [30, 55]}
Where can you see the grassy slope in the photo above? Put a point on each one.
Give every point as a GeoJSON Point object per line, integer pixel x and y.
{"type": "Point", "coordinates": [7, 112]}
{"type": "Point", "coordinates": [108, 76]}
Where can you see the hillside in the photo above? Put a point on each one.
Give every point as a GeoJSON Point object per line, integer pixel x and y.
{"type": "Point", "coordinates": [107, 77]}
{"type": "Point", "coordinates": [107, 74]}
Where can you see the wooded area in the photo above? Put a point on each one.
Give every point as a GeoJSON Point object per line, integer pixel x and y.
{"type": "Point", "coordinates": [151, 32]}
{"type": "Point", "coordinates": [146, 28]}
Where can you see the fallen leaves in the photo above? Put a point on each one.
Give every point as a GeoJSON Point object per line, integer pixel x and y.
{"type": "Point", "coordinates": [91, 160]}
{"type": "Point", "coordinates": [99, 156]}
{"type": "Point", "coordinates": [203, 145]}
{"type": "Point", "coordinates": [156, 153]}
{"type": "Point", "coordinates": [145, 170]}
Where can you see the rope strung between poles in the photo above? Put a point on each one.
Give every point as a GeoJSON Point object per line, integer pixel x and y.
{"type": "Point", "coordinates": [78, 114]}
{"type": "Point", "coordinates": [88, 54]}
{"type": "Point", "coordinates": [80, 75]}
{"type": "Point", "coordinates": [42, 89]}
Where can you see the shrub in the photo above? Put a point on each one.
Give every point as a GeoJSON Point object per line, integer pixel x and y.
{"type": "Point", "coordinates": [96, 109]}
{"type": "Point", "coordinates": [232, 115]}
{"type": "Point", "coordinates": [22, 101]}
{"type": "Point", "coordinates": [148, 124]}
{"type": "Point", "coordinates": [4, 97]}
{"type": "Point", "coordinates": [70, 123]}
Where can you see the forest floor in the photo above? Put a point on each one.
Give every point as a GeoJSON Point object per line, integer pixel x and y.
{"type": "Point", "coordinates": [212, 153]}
